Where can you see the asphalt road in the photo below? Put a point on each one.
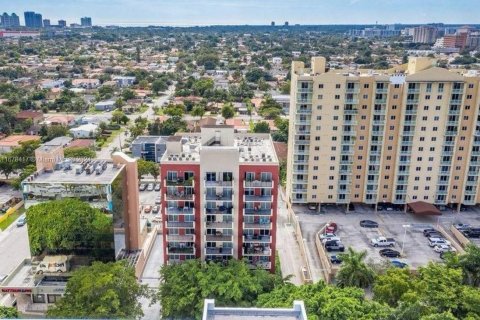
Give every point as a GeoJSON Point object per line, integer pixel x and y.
{"type": "Point", "coordinates": [14, 247]}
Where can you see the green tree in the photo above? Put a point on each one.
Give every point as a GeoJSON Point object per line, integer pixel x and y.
{"type": "Point", "coordinates": [7, 165]}
{"type": "Point", "coordinates": [174, 110]}
{"type": "Point", "coordinates": [281, 135]}
{"type": "Point", "coordinates": [159, 85]}
{"type": "Point", "coordinates": [145, 167]}
{"type": "Point", "coordinates": [78, 152]}
{"type": "Point", "coordinates": [128, 94]}
{"type": "Point", "coordinates": [270, 109]}
{"type": "Point", "coordinates": [285, 87]}
{"type": "Point", "coordinates": [102, 290]}
{"type": "Point", "coordinates": [64, 226]}
{"type": "Point", "coordinates": [228, 111]}
{"type": "Point", "coordinates": [261, 127]}
{"type": "Point", "coordinates": [168, 127]}
{"type": "Point", "coordinates": [470, 265]}
{"type": "Point", "coordinates": [198, 111]}
{"type": "Point", "coordinates": [354, 271]}
{"type": "Point", "coordinates": [53, 131]}
{"type": "Point", "coordinates": [24, 155]}
{"type": "Point", "coordinates": [391, 286]}
{"type": "Point", "coordinates": [27, 171]}
{"type": "Point", "coordinates": [8, 313]}
{"type": "Point", "coordinates": [117, 116]}
{"type": "Point", "coordinates": [185, 286]}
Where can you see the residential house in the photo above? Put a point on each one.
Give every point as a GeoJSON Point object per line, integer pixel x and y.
{"type": "Point", "coordinates": [88, 130]}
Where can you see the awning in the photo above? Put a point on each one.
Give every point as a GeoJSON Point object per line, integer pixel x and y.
{"type": "Point", "coordinates": [422, 208]}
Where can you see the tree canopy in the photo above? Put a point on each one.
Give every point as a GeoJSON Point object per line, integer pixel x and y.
{"type": "Point", "coordinates": [8, 313]}
{"type": "Point", "coordinates": [79, 152]}
{"type": "Point", "coordinates": [102, 290]}
{"type": "Point", "coordinates": [228, 111]}
{"type": "Point", "coordinates": [261, 127]}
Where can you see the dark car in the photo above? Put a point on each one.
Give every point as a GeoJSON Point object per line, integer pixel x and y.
{"type": "Point", "coordinates": [389, 253]}
{"type": "Point", "coordinates": [334, 246]}
{"type": "Point", "coordinates": [430, 232]}
{"type": "Point", "coordinates": [335, 260]}
{"type": "Point", "coordinates": [472, 233]}
{"type": "Point", "coordinates": [399, 264]}
{"type": "Point", "coordinates": [368, 224]}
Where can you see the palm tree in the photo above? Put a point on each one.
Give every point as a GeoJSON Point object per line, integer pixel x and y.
{"type": "Point", "coordinates": [355, 272]}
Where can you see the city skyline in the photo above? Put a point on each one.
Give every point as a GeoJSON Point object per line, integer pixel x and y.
{"type": "Point", "coordinates": [236, 12]}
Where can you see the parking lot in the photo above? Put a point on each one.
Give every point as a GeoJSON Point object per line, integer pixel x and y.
{"type": "Point", "coordinates": [149, 199]}
{"type": "Point", "coordinates": [405, 228]}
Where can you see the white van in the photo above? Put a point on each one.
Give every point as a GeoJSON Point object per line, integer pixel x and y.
{"type": "Point", "coordinates": [52, 264]}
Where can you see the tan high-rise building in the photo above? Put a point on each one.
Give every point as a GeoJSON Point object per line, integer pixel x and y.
{"type": "Point", "coordinates": [425, 34]}
{"type": "Point", "coordinates": [383, 137]}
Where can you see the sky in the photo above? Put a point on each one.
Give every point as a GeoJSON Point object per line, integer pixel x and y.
{"type": "Point", "coordinates": [253, 12]}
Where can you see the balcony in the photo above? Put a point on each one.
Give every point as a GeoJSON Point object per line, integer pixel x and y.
{"type": "Point", "coordinates": [411, 112]}
{"type": "Point", "coordinates": [180, 250]}
{"type": "Point", "coordinates": [381, 90]}
{"type": "Point", "coordinates": [301, 152]}
{"type": "Point", "coordinates": [351, 101]}
{"type": "Point", "coordinates": [219, 224]}
{"type": "Point", "coordinates": [381, 101]}
{"type": "Point", "coordinates": [258, 198]}
{"type": "Point", "coordinates": [257, 239]}
{"type": "Point", "coordinates": [224, 184]}
{"type": "Point", "coordinates": [178, 182]}
{"type": "Point", "coordinates": [257, 251]}
{"type": "Point", "coordinates": [219, 197]}
{"type": "Point", "coordinates": [351, 111]}
{"type": "Point", "coordinates": [218, 237]}
{"type": "Point", "coordinates": [261, 265]}
{"type": "Point", "coordinates": [304, 111]}
{"type": "Point", "coordinates": [179, 210]}
{"type": "Point", "coordinates": [453, 112]}
{"type": "Point", "coordinates": [258, 211]}
{"type": "Point", "coordinates": [219, 251]}
{"type": "Point", "coordinates": [179, 196]}
{"type": "Point", "coordinates": [258, 183]}
{"type": "Point", "coordinates": [355, 90]}
{"type": "Point", "coordinates": [413, 90]}
{"type": "Point", "coordinates": [219, 210]}
{"type": "Point", "coordinates": [302, 142]}
{"type": "Point", "coordinates": [257, 226]}
{"type": "Point", "coordinates": [179, 238]}
{"type": "Point", "coordinates": [180, 225]}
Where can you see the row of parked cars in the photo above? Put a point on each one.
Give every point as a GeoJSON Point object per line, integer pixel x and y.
{"type": "Point", "coordinates": [437, 241]}
{"type": "Point", "coordinates": [149, 186]}
{"type": "Point", "coordinates": [468, 230]}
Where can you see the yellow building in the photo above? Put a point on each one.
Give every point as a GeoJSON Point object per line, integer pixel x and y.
{"type": "Point", "coordinates": [384, 136]}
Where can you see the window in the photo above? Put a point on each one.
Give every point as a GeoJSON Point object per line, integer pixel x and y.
{"type": "Point", "coordinates": [320, 96]}
{"type": "Point", "coordinates": [365, 96]}
{"type": "Point", "coordinates": [38, 298]}
{"type": "Point", "coordinates": [338, 86]}
{"type": "Point", "coordinates": [320, 86]}
{"type": "Point", "coordinates": [337, 97]}
{"type": "Point", "coordinates": [439, 97]}
{"type": "Point", "coordinates": [471, 85]}
{"type": "Point", "coordinates": [53, 298]}
{"type": "Point", "coordinates": [427, 97]}
{"type": "Point", "coordinates": [366, 86]}
{"type": "Point", "coordinates": [469, 96]}
{"type": "Point", "coordinates": [395, 96]}
{"type": "Point", "coordinates": [319, 107]}
{"type": "Point", "coordinates": [437, 108]}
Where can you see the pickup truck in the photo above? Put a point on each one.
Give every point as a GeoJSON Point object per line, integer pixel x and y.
{"type": "Point", "coordinates": [382, 242]}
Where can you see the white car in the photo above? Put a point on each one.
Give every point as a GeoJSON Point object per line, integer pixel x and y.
{"type": "Point", "coordinates": [432, 242]}
{"type": "Point", "coordinates": [150, 187]}
{"type": "Point", "coordinates": [444, 248]}
{"type": "Point", "coordinates": [327, 236]}
{"type": "Point", "coordinates": [331, 239]}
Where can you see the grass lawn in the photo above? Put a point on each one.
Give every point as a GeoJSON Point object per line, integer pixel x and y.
{"type": "Point", "coordinates": [4, 225]}
{"type": "Point", "coordinates": [92, 109]}
{"type": "Point", "coordinates": [114, 134]}
{"type": "Point", "coordinates": [159, 111]}
{"type": "Point", "coordinates": [142, 109]}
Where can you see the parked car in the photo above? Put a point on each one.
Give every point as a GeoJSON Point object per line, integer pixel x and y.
{"type": "Point", "coordinates": [432, 242]}
{"type": "Point", "coordinates": [432, 233]}
{"type": "Point", "coordinates": [368, 224]}
{"type": "Point", "coordinates": [312, 206]}
{"type": "Point", "coordinates": [327, 236]}
{"type": "Point", "coordinates": [157, 219]}
{"type": "Point", "coordinates": [155, 209]}
{"type": "Point", "coordinates": [461, 226]}
{"type": "Point", "coordinates": [150, 187]}
{"type": "Point", "coordinates": [157, 187]}
{"type": "Point", "coordinates": [472, 233]}
{"type": "Point", "coordinates": [382, 242]}
{"type": "Point", "coordinates": [389, 253]}
{"type": "Point", "coordinates": [399, 264]}
{"type": "Point", "coordinates": [142, 187]}
{"type": "Point", "coordinates": [334, 246]}
{"type": "Point", "coordinates": [335, 260]}
{"type": "Point", "coordinates": [331, 227]}
{"type": "Point", "coordinates": [22, 221]}
{"type": "Point", "coordinates": [331, 239]}
{"type": "Point", "coordinates": [444, 248]}
{"type": "Point", "coordinates": [147, 209]}
{"type": "Point", "coordinates": [158, 200]}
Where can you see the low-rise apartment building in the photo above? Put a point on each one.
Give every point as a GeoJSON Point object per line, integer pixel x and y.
{"type": "Point", "coordinates": [219, 197]}
{"type": "Point", "coordinates": [379, 137]}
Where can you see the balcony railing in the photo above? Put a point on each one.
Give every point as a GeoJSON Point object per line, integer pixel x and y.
{"type": "Point", "coordinates": [179, 250]}
{"type": "Point", "coordinates": [180, 238]}
{"type": "Point", "coordinates": [227, 184]}
{"type": "Point", "coordinates": [258, 184]}
{"type": "Point", "coordinates": [259, 198]}
{"type": "Point", "coordinates": [219, 225]}
{"type": "Point", "coordinates": [178, 182]}
{"type": "Point", "coordinates": [179, 196]}
{"type": "Point", "coordinates": [265, 226]}
{"type": "Point", "coordinates": [220, 251]}
{"type": "Point", "coordinates": [257, 239]}
{"type": "Point", "coordinates": [219, 237]}
{"type": "Point", "coordinates": [219, 197]}
{"type": "Point", "coordinates": [257, 251]}
{"type": "Point", "coordinates": [179, 210]}
{"type": "Point", "coordinates": [180, 225]}
{"type": "Point", "coordinates": [261, 265]}
{"type": "Point", "coordinates": [259, 212]}
{"type": "Point", "coordinates": [219, 210]}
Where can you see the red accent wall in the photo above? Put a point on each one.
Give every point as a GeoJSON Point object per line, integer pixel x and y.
{"type": "Point", "coordinates": [258, 169]}
{"type": "Point", "coordinates": [180, 168]}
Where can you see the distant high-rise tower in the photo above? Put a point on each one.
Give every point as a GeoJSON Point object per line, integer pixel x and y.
{"type": "Point", "coordinates": [86, 22]}
{"type": "Point", "coordinates": [8, 21]}
{"type": "Point", "coordinates": [286, 23]}
{"type": "Point", "coordinates": [33, 20]}
{"type": "Point", "coordinates": [273, 24]}
{"type": "Point", "coordinates": [62, 23]}
{"type": "Point", "coordinates": [46, 22]}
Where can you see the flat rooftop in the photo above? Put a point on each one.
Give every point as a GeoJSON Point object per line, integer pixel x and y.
{"type": "Point", "coordinates": [149, 139]}
{"type": "Point", "coordinates": [253, 148]}
{"type": "Point", "coordinates": [69, 175]}
{"type": "Point", "coordinates": [211, 312]}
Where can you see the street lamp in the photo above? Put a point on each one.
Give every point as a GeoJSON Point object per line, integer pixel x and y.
{"type": "Point", "coordinates": [405, 227]}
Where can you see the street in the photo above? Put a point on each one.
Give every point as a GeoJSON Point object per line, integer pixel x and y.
{"type": "Point", "coordinates": [14, 247]}
{"type": "Point", "coordinates": [151, 278]}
